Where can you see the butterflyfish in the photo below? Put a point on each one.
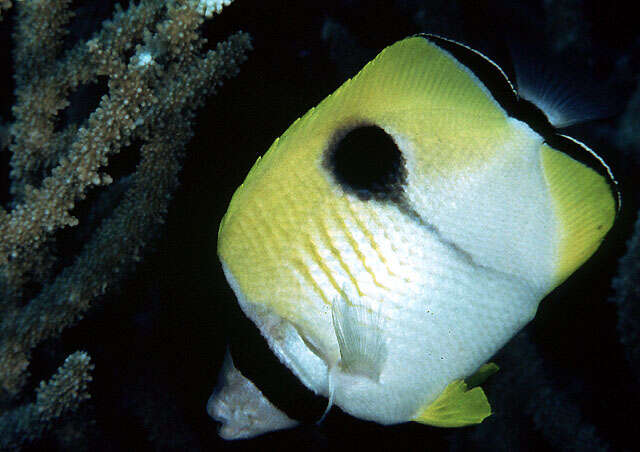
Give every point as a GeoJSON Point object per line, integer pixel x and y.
{"type": "Point", "coordinates": [394, 238]}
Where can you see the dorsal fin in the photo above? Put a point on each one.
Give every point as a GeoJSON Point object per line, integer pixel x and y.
{"type": "Point", "coordinates": [488, 71]}
{"type": "Point", "coordinates": [563, 91]}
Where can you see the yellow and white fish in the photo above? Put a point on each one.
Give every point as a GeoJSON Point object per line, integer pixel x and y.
{"type": "Point", "coordinates": [396, 236]}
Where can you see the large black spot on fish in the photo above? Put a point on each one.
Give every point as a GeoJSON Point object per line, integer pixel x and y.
{"type": "Point", "coordinates": [366, 161]}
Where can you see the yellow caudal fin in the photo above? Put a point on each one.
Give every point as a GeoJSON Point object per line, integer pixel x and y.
{"type": "Point", "coordinates": [584, 204]}
{"type": "Point", "coordinates": [461, 403]}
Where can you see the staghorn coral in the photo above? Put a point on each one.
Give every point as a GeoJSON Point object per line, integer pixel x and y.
{"type": "Point", "coordinates": [61, 394]}
{"type": "Point", "coordinates": [157, 70]}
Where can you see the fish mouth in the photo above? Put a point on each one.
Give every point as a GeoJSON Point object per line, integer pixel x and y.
{"type": "Point", "coordinates": [241, 408]}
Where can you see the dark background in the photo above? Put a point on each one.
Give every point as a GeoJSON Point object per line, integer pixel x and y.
{"type": "Point", "coordinates": [157, 342]}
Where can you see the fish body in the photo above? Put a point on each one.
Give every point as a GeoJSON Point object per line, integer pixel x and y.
{"type": "Point", "coordinates": [399, 234]}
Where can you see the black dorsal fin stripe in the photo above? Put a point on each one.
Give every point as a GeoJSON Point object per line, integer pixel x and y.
{"type": "Point", "coordinates": [504, 92]}
{"type": "Point", "coordinates": [456, 48]}
{"type": "Point", "coordinates": [495, 79]}
{"type": "Point", "coordinates": [490, 74]}
{"type": "Point", "coordinates": [582, 153]}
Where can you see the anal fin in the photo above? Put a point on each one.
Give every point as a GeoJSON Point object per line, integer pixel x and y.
{"type": "Point", "coordinates": [481, 375]}
{"type": "Point", "coordinates": [462, 403]}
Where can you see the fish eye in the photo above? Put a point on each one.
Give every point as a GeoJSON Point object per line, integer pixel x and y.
{"type": "Point", "coordinates": [367, 162]}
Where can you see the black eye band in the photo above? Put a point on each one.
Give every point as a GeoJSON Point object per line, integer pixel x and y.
{"type": "Point", "coordinates": [255, 360]}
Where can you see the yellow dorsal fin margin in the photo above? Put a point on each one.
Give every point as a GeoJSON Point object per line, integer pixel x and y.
{"type": "Point", "coordinates": [414, 75]}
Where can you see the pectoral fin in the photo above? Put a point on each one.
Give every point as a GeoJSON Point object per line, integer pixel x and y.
{"type": "Point", "coordinates": [359, 333]}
